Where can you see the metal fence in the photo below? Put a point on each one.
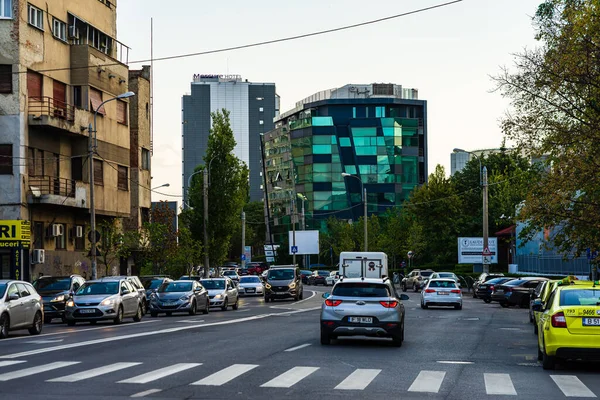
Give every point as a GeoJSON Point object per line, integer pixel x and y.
{"type": "Point", "coordinates": [51, 185]}
{"type": "Point", "coordinates": [51, 107]}
{"type": "Point", "coordinates": [553, 264]}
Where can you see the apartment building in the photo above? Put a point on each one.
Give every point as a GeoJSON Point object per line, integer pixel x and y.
{"type": "Point", "coordinates": [59, 61]}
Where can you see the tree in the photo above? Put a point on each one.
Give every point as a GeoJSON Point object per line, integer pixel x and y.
{"type": "Point", "coordinates": [112, 245]}
{"type": "Point", "coordinates": [158, 239]}
{"type": "Point", "coordinates": [555, 99]}
{"type": "Point", "coordinates": [188, 255]}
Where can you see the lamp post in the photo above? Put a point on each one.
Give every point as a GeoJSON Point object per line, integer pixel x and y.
{"type": "Point", "coordinates": [292, 211]}
{"type": "Point", "coordinates": [364, 199]}
{"type": "Point", "coordinates": [303, 198]}
{"type": "Point", "coordinates": [92, 145]}
{"type": "Point", "coordinates": [161, 186]}
{"type": "Point", "coordinates": [483, 181]}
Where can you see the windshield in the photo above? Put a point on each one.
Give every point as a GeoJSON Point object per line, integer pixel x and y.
{"type": "Point", "coordinates": [249, 279]}
{"type": "Point", "coordinates": [229, 273]}
{"type": "Point", "coordinates": [175, 287]}
{"type": "Point", "coordinates": [446, 275]}
{"type": "Point", "coordinates": [497, 280]}
{"type": "Point", "coordinates": [305, 272]}
{"type": "Point", "coordinates": [323, 273]}
{"type": "Point", "coordinates": [48, 284]}
{"type": "Point", "coordinates": [98, 288]}
{"type": "Point", "coordinates": [580, 297]}
{"type": "Point", "coordinates": [216, 284]}
{"type": "Point", "coordinates": [2, 289]}
{"type": "Point", "coordinates": [281, 274]}
{"type": "Point", "coordinates": [515, 282]}
{"type": "Point", "coordinates": [426, 273]}
{"type": "Point", "coordinates": [359, 289]}
{"type": "Point", "coordinates": [153, 284]}
{"type": "Point", "coordinates": [442, 284]}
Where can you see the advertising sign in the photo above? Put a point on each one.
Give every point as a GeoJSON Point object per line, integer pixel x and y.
{"type": "Point", "coordinates": [307, 242]}
{"type": "Point", "coordinates": [470, 250]}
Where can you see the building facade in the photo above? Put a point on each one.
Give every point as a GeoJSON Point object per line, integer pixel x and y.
{"type": "Point", "coordinates": [376, 132]}
{"type": "Point", "coordinates": [59, 61]}
{"type": "Point", "coordinates": [458, 160]}
{"type": "Point", "coordinates": [252, 107]}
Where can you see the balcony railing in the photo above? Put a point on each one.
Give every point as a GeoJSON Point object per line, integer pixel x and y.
{"type": "Point", "coordinates": [49, 106]}
{"type": "Point", "coordinates": [40, 185]}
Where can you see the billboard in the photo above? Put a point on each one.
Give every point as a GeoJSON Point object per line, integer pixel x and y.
{"type": "Point", "coordinates": [307, 242]}
{"type": "Point", "coordinates": [470, 250]}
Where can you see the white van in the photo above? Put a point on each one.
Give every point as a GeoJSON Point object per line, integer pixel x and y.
{"type": "Point", "coordinates": [363, 264]}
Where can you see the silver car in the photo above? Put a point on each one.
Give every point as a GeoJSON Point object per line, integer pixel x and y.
{"type": "Point", "coordinates": [21, 307]}
{"type": "Point", "coordinates": [441, 292]}
{"type": "Point", "coordinates": [221, 292]}
{"type": "Point", "coordinates": [179, 296]}
{"type": "Point", "coordinates": [363, 307]}
{"type": "Point", "coordinates": [251, 285]}
{"type": "Point", "coordinates": [102, 299]}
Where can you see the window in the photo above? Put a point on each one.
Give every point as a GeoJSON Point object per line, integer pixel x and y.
{"type": "Point", "coordinates": [96, 100]}
{"type": "Point", "coordinates": [79, 241]}
{"type": "Point", "coordinates": [260, 98]}
{"type": "Point", "coordinates": [34, 85]}
{"type": "Point", "coordinates": [77, 97]}
{"type": "Point", "coordinates": [121, 112]}
{"type": "Point", "coordinates": [5, 78]}
{"type": "Point", "coordinates": [35, 16]}
{"type": "Point", "coordinates": [60, 241]}
{"type": "Point", "coordinates": [38, 235]}
{"type": "Point", "coordinates": [5, 8]}
{"type": "Point", "coordinates": [122, 179]}
{"type": "Point", "coordinates": [261, 122]}
{"type": "Point", "coordinates": [261, 109]}
{"type": "Point", "coordinates": [145, 159]}
{"type": "Point", "coordinates": [6, 159]}
{"type": "Point", "coordinates": [77, 168]}
{"type": "Point", "coordinates": [59, 29]}
{"type": "Point", "coordinates": [98, 173]}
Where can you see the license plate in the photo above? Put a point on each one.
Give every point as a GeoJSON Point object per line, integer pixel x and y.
{"type": "Point", "coordinates": [361, 320]}
{"type": "Point", "coordinates": [443, 293]}
{"type": "Point", "coordinates": [591, 322]}
{"type": "Point", "coordinates": [251, 290]}
{"type": "Point", "coordinates": [87, 311]}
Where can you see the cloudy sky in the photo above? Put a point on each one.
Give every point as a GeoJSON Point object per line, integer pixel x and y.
{"type": "Point", "coordinates": [447, 53]}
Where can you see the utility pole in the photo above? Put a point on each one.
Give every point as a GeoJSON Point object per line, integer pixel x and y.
{"type": "Point", "coordinates": [486, 259]}
{"type": "Point", "coordinates": [365, 221]}
{"type": "Point", "coordinates": [92, 237]}
{"type": "Point", "coordinates": [243, 239]}
{"type": "Point", "coordinates": [293, 230]}
{"type": "Point", "coordinates": [205, 192]}
{"type": "Point", "coordinates": [304, 228]}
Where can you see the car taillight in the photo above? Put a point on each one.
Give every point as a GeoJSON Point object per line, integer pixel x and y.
{"type": "Point", "coordinates": [559, 320]}
{"type": "Point", "coordinates": [455, 291]}
{"type": "Point", "coordinates": [429, 291]}
{"type": "Point", "coordinates": [492, 288]}
{"type": "Point", "coordinates": [333, 303]}
{"type": "Point", "coordinates": [389, 304]}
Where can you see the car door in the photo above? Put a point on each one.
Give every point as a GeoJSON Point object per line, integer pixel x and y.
{"type": "Point", "coordinates": [231, 291]}
{"type": "Point", "coordinates": [129, 300]}
{"type": "Point", "coordinates": [15, 308]}
{"type": "Point", "coordinates": [28, 302]}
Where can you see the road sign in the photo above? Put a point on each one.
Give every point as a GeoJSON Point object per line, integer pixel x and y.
{"type": "Point", "coordinates": [410, 254]}
{"type": "Point", "coordinates": [487, 259]}
{"type": "Point", "coordinates": [294, 249]}
{"type": "Point", "coordinates": [487, 252]}
{"type": "Point", "coordinates": [243, 257]}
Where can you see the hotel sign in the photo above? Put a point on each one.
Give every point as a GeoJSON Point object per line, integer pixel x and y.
{"type": "Point", "coordinates": [219, 77]}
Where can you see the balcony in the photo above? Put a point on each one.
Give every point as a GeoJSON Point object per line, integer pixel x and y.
{"type": "Point", "coordinates": [52, 113]}
{"type": "Point", "coordinates": [57, 191]}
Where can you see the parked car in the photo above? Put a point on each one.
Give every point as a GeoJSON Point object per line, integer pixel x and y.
{"type": "Point", "coordinates": [363, 307]}
{"type": "Point", "coordinates": [251, 285]}
{"type": "Point", "coordinates": [107, 298]}
{"type": "Point", "coordinates": [332, 279]}
{"type": "Point", "coordinates": [283, 282]}
{"type": "Point", "coordinates": [318, 278]}
{"type": "Point", "coordinates": [304, 274]}
{"type": "Point", "coordinates": [515, 292]}
{"type": "Point", "coordinates": [231, 274]}
{"type": "Point", "coordinates": [484, 277]}
{"type": "Point", "coordinates": [137, 285]}
{"type": "Point", "coordinates": [190, 278]}
{"type": "Point", "coordinates": [55, 292]}
{"type": "Point", "coordinates": [151, 284]}
{"type": "Point", "coordinates": [535, 294]}
{"type": "Point", "coordinates": [179, 296]}
{"type": "Point", "coordinates": [257, 268]}
{"type": "Point", "coordinates": [485, 289]}
{"type": "Point", "coordinates": [441, 292]}
{"type": "Point", "coordinates": [21, 307]}
{"type": "Point", "coordinates": [221, 292]}
{"type": "Point", "coordinates": [415, 278]}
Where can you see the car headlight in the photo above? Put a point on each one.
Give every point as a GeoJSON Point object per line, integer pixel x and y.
{"type": "Point", "coordinates": [267, 286]}
{"type": "Point", "coordinates": [60, 297]}
{"type": "Point", "coordinates": [292, 285]}
{"type": "Point", "coordinates": [218, 296]}
{"type": "Point", "coordinates": [185, 298]}
{"type": "Point", "coordinates": [107, 302]}
{"type": "Point", "coordinates": [70, 303]}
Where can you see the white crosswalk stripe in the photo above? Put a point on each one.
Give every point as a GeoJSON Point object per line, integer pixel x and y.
{"type": "Point", "coordinates": [428, 381]}
{"type": "Point", "coordinates": [35, 370]}
{"type": "Point", "coordinates": [160, 373]}
{"type": "Point", "coordinates": [571, 386]}
{"type": "Point", "coordinates": [9, 363]}
{"type": "Point", "coordinates": [92, 373]}
{"type": "Point", "coordinates": [290, 377]}
{"type": "Point", "coordinates": [499, 384]}
{"type": "Point", "coordinates": [359, 379]}
{"type": "Point", "coordinates": [225, 375]}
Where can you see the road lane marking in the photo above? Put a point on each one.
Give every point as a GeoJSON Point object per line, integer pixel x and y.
{"type": "Point", "coordinates": [359, 379]}
{"type": "Point", "coordinates": [35, 370]}
{"type": "Point", "coordinates": [160, 373]}
{"type": "Point", "coordinates": [308, 298]}
{"type": "Point", "coordinates": [146, 393]}
{"type": "Point", "coordinates": [428, 381]}
{"type": "Point", "coordinates": [290, 377]}
{"type": "Point", "coordinates": [92, 373]}
{"type": "Point", "coordinates": [571, 386]}
{"type": "Point", "coordinates": [191, 321]}
{"type": "Point", "coordinates": [45, 341]}
{"type": "Point", "coordinates": [456, 362]}
{"type": "Point", "coordinates": [8, 363]}
{"type": "Point", "coordinates": [499, 384]}
{"type": "Point", "coordinates": [298, 347]}
{"type": "Point", "coordinates": [225, 375]}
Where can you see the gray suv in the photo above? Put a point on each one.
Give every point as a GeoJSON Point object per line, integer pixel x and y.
{"type": "Point", "coordinates": [415, 279]}
{"type": "Point", "coordinates": [283, 283]}
{"type": "Point", "coordinates": [363, 307]}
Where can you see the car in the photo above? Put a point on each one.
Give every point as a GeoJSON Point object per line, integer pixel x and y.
{"type": "Point", "coordinates": [257, 268]}
{"type": "Point", "coordinates": [190, 278]}
{"type": "Point", "coordinates": [535, 297]}
{"type": "Point", "coordinates": [441, 292]}
{"type": "Point", "coordinates": [415, 278]}
{"type": "Point", "coordinates": [569, 326]}
{"type": "Point", "coordinates": [304, 274]}
{"type": "Point", "coordinates": [485, 276]}
{"type": "Point", "coordinates": [21, 307]}
{"type": "Point", "coordinates": [231, 274]}
{"type": "Point", "coordinates": [485, 289]}
{"type": "Point", "coordinates": [107, 298]}
{"type": "Point", "coordinates": [137, 285]}
{"type": "Point", "coordinates": [515, 292]}
{"type": "Point", "coordinates": [251, 285]}
{"type": "Point", "coordinates": [221, 292]}
{"type": "Point", "coordinates": [333, 277]}
{"type": "Point", "coordinates": [283, 282]}
{"type": "Point", "coordinates": [318, 278]}
{"type": "Point", "coordinates": [362, 307]}
{"type": "Point", "coordinates": [179, 296]}
{"type": "Point", "coordinates": [445, 275]}
{"type": "Point", "coordinates": [152, 283]}
{"type": "Point", "coordinates": [55, 292]}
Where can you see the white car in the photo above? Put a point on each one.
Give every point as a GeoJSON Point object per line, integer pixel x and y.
{"type": "Point", "coordinates": [441, 292]}
{"type": "Point", "coordinates": [222, 292]}
{"type": "Point", "coordinates": [251, 285]}
{"type": "Point", "coordinates": [332, 279]}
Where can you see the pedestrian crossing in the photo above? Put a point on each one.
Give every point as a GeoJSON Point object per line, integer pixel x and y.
{"type": "Point", "coordinates": [425, 381]}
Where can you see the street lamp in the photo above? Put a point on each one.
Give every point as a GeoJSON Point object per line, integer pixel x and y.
{"type": "Point", "coordinates": [92, 144]}
{"type": "Point", "coordinates": [161, 186]}
{"type": "Point", "coordinates": [364, 199]}
{"type": "Point", "coordinates": [483, 181]}
{"type": "Point", "coordinates": [303, 198]}
{"type": "Point", "coordinates": [292, 200]}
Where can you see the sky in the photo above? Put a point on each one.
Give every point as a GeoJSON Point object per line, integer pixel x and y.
{"type": "Point", "coordinates": [449, 54]}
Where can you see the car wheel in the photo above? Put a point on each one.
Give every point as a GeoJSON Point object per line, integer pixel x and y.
{"type": "Point", "coordinates": [504, 304]}
{"type": "Point", "coordinates": [397, 340]}
{"type": "Point", "coordinates": [525, 303]}
{"type": "Point", "coordinates": [153, 314]}
{"type": "Point", "coordinates": [548, 362]}
{"type": "Point", "coordinates": [535, 329]}
{"type": "Point", "coordinates": [540, 354]}
{"type": "Point", "coordinates": [404, 287]}
{"type": "Point", "coordinates": [225, 305]}
{"type": "Point", "coordinates": [487, 300]}
{"type": "Point", "coordinates": [139, 314]}
{"type": "Point", "coordinates": [36, 328]}
{"type": "Point", "coordinates": [474, 294]}
{"type": "Point", "coordinates": [93, 322]}
{"type": "Point", "coordinates": [206, 307]}
{"type": "Point", "coordinates": [4, 326]}
{"type": "Point", "coordinates": [266, 299]}
{"type": "Point", "coordinates": [301, 294]}
{"type": "Point", "coordinates": [119, 318]}
{"type": "Point", "coordinates": [415, 288]}
{"type": "Point", "coordinates": [63, 319]}
{"type": "Point", "coordinates": [193, 308]}
{"type": "Point", "coordinates": [168, 313]}
{"type": "Point", "coordinates": [71, 322]}
{"type": "Point", "coordinates": [424, 306]}
{"type": "Point", "coordinates": [325, 338]}
{"type": "Point", "coordinates": [458, 307]}
{"type": "Point", "coordinates": [47, 320]}
{"type": "Point", "coordinates": [235, 306]}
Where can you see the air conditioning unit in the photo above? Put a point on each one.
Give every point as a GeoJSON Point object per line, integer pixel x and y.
{"type": "Point", "coordinates": [79, 231]}
{"type": "Point", "coordinates": [73, 32]}
{"type": "Point", "coordinates": [38, 256]}
{"type": "Point", "coordinates": [58, 230]}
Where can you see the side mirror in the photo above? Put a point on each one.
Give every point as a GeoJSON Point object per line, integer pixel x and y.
{"type": "Point", "coordinates": [326, 295]}
{"type": "Point", "coordinates": [125, 292]}
{"type": "Point", "coordinates": [537, 305]}
{"type": "Point", "coordinates": [13, 297]}
{"type": "Point", "coordinates": [404, 297]}
{"type": "Point", "coordinates": [72, 293]}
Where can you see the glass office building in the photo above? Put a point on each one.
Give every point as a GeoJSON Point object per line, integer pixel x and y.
{"type": "Point", "coordinates": [377, 133]}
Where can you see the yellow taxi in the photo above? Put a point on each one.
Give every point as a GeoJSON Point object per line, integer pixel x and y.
{"type": "Point", "coordinates": [547, 290]}
{"type": "Point", "coordinates": [569, 324]}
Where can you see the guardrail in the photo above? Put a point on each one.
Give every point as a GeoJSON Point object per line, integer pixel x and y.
{"type": "Point", "coordinates": [51, 185]}
{"type": "Point", "coordinates": [51, 107]}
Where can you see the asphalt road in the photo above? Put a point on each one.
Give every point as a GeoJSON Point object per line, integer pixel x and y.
{"type": "Point", "coordinates": [272, 350]}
